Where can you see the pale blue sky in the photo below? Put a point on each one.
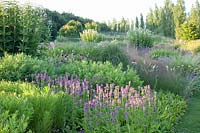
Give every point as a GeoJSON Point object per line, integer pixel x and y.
{"type": "Point", "coordinates": [103, 10]}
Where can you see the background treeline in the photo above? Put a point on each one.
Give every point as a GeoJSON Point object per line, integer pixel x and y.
{"type": "Point", "coordinates": [171, 20]}
{"type": "Point", "coordinates": [57, 20]}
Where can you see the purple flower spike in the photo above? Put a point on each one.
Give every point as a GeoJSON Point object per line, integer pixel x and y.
{"type": "Point", "coordinates": [86, 107]}
{"type": "Point", "coordinates": [82, 131]}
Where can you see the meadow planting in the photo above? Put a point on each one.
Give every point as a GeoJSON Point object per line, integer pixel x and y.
{"type": "Point", "coordinates": [94, 77]}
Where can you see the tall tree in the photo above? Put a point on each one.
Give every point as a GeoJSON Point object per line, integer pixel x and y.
{"type": "Point", "coordinates": [168, 19]}
{"type": "Point", "coordinates": [194, 16]}
{"type": "Point", "coordinates": [158, 20]}
{"type": "Point", "coordinates": [136, 23]}
{"type": "Point", "coordinates": [179, 13]}
{"type": "Point", "coordinates": [122, 25]}
{"type": "Point", "coordinates": [141, 21]}
{"type": "Point", "coordinates": [114, 26]}
{"type": "Point", "coordinates": [132, 25]}
{"type": "Point", "coordinates": [128, 25]}
{"type": "Point", "coordinates": [150, 20]}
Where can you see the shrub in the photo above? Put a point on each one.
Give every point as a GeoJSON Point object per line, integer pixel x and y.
{"type": "Point", "coordinates": [156, 53]}
{"type": "Point", "coordinates": [71, 29]}
{"type": "Point", "coordinates": [140, 38]}
{"type": "Point", "coordinates": [23, 30]}
{"type": "Point", "coordinates": [91, 35]}
{"type": "Point", "coordinates": [103, 73]}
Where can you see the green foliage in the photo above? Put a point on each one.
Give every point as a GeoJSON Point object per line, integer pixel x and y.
{"type": "Point", "coordinates": [162, 77]}
{"type": "Point", "coordinates": [96, 52]}
{"type": "Point", "coordinates": [20, 67]}
{"type": "Point", "coordinates": [140, 38]}
{"type": "Point", "coordinates": [171, 108]}
{"type": "Point", "coordinates": [26, 108]}
{"type": "Point", "coordinates": [23, 30]}
{"type": "Point", "coordinates": [189, 31]}
{"type": "Point", "coordinates": [101, 73]}
{"type": "Point", "coordinates": [168, 19]}
{"type": "Point", "coordinates": [179, 16]}
{"type": "Point", "coordinates": [91, 35]}
{"type": "Point", "coordinates": [157, 53]}
{"type": "Point", "coordinates": [159, 113]}
{"type": "Point", "coordinates": [190, 121]}
{"type": "Point", "coordinates": [136, 22]}
{"type": "Point", "coordinates": [124, 25]}
{"type": "Point", "coordinates": [12, 123]}
{"type": "Point", "coordinates": [187, 64]}
{"type": "Point", "coordinates": [71, 29]}
{"type": "Point", "coordinates": [25, 67]}
{"type": "Point", "coordinates": [141, 21]}
{"type": "Point", "coordinates": [154, 20]}
{"type": "Point", "coordinates": [194, 17]}
{"type": "Point", "coordinates": [57, 20]}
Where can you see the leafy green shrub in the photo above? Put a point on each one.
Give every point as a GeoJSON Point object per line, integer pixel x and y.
{"type": "Point", "coordinates": [156, 53]}
{"type": "Point", "coordinates": [140, 38]}
{"type": "Point", "coordinates": [71, 29]}
{"type": "Point", "coordinates": [91, 35]}
{"type": "Point", "coordinates": [23, 30]}
{"type": "Point", "coordinates": [100, 73]}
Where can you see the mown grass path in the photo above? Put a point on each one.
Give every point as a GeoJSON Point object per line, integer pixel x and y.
{"type": "Point", "coordinates": [191, 120]}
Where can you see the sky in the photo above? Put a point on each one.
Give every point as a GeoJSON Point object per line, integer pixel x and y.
{"type": "Point", "coordinates": [103, 10]}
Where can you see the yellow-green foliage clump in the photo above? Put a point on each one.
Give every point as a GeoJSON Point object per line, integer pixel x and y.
{"type": "Point", "coordinates": [91, 35]}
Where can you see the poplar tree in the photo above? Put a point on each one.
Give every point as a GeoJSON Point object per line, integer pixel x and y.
{"type": "Point", "coordinates": [168, 19]}
{"type": "Point", "coordinates": [136, 23]}
{"type": "Point", "coordinates": [194, 16]}
{"type": "Point", "coordinates": [141, 21]}
{"type": "Point", "coordinates": [150, 20]}
{"type": "Point", "coordinates": [179, 16]}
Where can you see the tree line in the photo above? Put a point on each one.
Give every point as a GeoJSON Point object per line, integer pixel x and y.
{"type": "Point", "coordinates": [171, 20]}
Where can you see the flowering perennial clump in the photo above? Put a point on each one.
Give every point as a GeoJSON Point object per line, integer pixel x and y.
{"type": "Point", "coordinates": [109, 105]}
